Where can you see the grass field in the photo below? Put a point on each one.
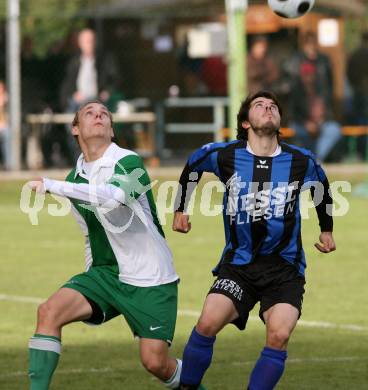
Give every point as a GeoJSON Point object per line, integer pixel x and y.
{"type": "Point", "coordinates": [328, 350]}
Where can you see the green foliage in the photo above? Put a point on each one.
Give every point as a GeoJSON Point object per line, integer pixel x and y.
{"type": "Point", "coordinates": [353, 29]}
{"type": "Point", "coordinates": [48, 22]}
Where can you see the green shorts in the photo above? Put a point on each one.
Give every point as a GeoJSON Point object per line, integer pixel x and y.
{"type": "Point", "coordinates": [149, 311]}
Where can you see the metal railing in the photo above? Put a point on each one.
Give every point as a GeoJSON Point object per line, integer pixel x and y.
{"type": "Point", "coordinates": [218, 105]}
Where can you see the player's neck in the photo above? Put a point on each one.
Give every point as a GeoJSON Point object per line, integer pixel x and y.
{"type": "Point", "coordinates": [262, 145]}
{"type": "Point", "coordinates": [94, 150]}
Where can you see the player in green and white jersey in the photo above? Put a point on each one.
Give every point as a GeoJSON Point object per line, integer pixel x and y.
{"type": "Point", "coordinates": [129, 268]}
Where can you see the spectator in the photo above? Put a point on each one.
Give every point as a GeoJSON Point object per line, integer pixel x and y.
{"type": "Point", "coordinates": [190, 73]}
{"type": "Point", "coordinates": [310, 54]}
{"type": "Point", "coordinates": [358, 78]}
{"type": "Point", "coordinates": [310, 114]}
{"type": "Point", "coordinates": [89, 76]}
{"type": "Point", "coordinates": [4, 128]}
{"type": "Point", "coordinates": [262, 70]}
{"type": "Point", "coordinates": [214, 75]}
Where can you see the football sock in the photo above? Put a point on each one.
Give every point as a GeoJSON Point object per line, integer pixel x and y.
{"type": "Point", "coordinates": [197, 357]}
{"type": "Point", "coordinates": [174, 381]}
{"type": "Point", "coordinates": [44, 352]}
{"type": "Point", "coordinates": [268, 369]}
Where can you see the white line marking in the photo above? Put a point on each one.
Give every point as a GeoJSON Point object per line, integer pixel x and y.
{"type": "Point", "coordinates": [15, 298]}
{"type": "Point", "coordinates": [65, 372]}
{"type": "Point", "coordinates": [195, 313]}
{"type": "Point", "coordinates": [336, 359]}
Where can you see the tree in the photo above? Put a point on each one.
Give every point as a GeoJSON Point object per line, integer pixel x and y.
{"type": "Point", "coordinates": [47, 22]}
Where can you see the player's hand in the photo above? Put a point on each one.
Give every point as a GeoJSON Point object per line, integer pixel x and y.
{"type": "Point", "coordinates": [181, 222]}
{"type": "Point", "coordinates": [37, 186]}
{"type": "Point", "coordinates": [327, 241]}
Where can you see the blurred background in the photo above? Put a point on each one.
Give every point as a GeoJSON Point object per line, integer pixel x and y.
{"type": "Point", "coordinates": [162, 67]}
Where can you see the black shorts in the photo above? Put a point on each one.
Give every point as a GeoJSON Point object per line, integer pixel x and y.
{"type": "Point", "coordinates": [268, 280]}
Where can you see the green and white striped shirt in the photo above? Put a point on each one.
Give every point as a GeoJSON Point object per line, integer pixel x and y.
{"type": "Point", "coordinates": [114, 206]}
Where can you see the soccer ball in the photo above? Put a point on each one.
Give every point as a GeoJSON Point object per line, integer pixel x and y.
{"type": "Point", "coordinates": [291, 8]}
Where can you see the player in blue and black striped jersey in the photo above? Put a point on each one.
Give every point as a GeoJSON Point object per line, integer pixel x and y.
{"type": "Point", "coordinates": [263, 259]}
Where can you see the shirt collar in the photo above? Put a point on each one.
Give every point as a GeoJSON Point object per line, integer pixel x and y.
{"type": "Point", "coordinates": [274, 154]}
{"type": "Point", "coordinates": [106, 161]}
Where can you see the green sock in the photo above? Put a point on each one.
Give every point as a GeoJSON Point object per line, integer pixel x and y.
{"type": "Point", "coordinates": [44, 352]}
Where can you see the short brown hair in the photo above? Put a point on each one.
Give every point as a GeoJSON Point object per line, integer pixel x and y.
{"type": "Point", "coordinates": [243, 114]}
{"type": "Point", "coordinates": [76, 116]}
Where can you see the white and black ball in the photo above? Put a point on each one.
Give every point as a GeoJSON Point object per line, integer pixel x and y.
{"type": "Point", "coordinates": [291, 8]}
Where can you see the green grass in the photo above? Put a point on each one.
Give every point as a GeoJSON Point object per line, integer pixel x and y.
{"type": "Point", "coordinates": [36, 260]}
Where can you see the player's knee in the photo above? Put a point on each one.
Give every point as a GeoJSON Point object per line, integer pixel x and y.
{"type": "Point", "coordinates": [46, 314]}
{"type": "Point", "coordinates": [278, 338]}
{"type": "Point", "coordinates": [207, 327]}
{"type": "Point", "coordinates": [154, 364]}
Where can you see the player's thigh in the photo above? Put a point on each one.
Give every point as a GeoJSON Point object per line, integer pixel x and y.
{"type": "Point", "coordinates": [218, 310]}
{"type": "Point", "coordinates": [64, 306]}
{"type": "Point", "coordinates": [286, 286]}
{"type": "Point", "coordinates": [150, 311]}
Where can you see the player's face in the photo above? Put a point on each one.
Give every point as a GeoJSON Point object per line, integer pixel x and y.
{"type": "Point", "coordinates": [94, 122]}
{"type": "Point", "coordinates": [264, 116]}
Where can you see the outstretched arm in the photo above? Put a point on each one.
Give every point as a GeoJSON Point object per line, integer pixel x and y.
{"type": "Point", "coordinates": [96, 195]}
{"type": "Point", "coordinates": [129, 181]}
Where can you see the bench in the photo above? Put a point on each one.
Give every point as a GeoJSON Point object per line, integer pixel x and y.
{"type": "Point", "coordinates": [353, 132]}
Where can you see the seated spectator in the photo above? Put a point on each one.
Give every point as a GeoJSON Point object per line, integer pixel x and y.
{"type": "Point", "coordinates": [358, 78]}
{"type": "Point", "coordinates": [310, 114]}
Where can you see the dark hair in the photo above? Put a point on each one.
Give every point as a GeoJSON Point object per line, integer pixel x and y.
{"type": "Point", "coordinates": [309, 37]}
{"type": "Point", "coordinates": [243, 114]}
{"type": "Point", "coordinates": [259, 38]}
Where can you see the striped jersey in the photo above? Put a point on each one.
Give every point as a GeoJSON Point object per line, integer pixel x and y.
{"type": "Point", "coordinates": [114, 206]}
{"type": "Point", "coordinates": [261, 206]}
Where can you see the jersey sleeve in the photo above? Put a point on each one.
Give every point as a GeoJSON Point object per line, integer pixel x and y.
{"type": "Point", "coordinates": [104, 194]}
{"type": "Point", "coordinates": [317, 180]}
{"type": "Point", "coordinates": [131, 177]}
{"type": "Point", "coordinates": [202, 160]}
{"type": "Point", "coordinates": [128, 182]}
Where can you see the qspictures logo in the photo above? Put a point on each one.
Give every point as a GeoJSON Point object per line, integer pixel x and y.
{"type": "Point", "coordinates": [245, 202]}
